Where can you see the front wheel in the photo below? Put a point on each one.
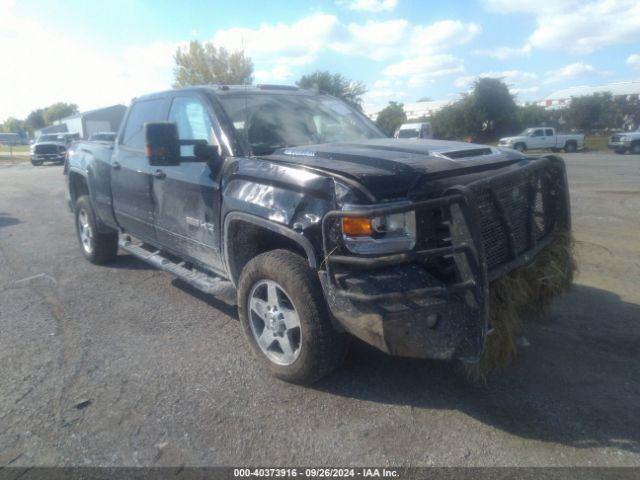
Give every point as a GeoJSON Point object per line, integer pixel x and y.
{"type": "Point", "coordinates": [36, 163]}
{"type": "Point", "coordinates": [635, 148]}
{"type": "Point", "coordinates": [97, 247]}
{"type": "Point", "coordinates": [286, 320]}
{"type": "Point", "coordinates": [620, 150]}
{"type": "Point", "coordinates": [521, 147]}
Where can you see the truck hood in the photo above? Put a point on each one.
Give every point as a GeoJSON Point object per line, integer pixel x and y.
{"type": "Point", "coordinates": [389, 168]}
{"type": "Point", "coordinates": [58, 144]}
{"type": "Point", "coordinates": [511, 139]}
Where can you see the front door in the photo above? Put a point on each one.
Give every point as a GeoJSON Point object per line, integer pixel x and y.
{"type": "Point", "coordinates": [188, 195]}
{"type": "Point", "coordinates": [131, 174]}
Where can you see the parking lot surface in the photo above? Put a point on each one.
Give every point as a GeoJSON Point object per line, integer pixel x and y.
{"type": "Point", "coordinates": [122, 365]}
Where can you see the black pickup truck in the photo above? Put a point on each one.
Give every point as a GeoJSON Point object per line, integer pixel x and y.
{"type": "Point", "coordinates": [321, 225]}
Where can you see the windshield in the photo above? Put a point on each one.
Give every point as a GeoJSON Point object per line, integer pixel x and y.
{"type": "Point", "coordinates": [271, 121]}
{"type": "Point", "coordinates": [408, 133]}
{"type": "Point", "coordinates": [51, 138]}
{"type": "Point", "coordinates": [526, 132]}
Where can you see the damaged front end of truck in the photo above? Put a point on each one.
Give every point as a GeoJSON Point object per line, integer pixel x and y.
{"type": "Point", "coordinates": [489, 249]}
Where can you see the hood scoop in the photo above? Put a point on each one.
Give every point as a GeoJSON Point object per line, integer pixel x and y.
{"type": "Point", "coordinates": [468, 152]}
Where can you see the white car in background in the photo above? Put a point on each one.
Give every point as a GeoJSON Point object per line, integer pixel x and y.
{"type": "Point", "coordinates": [543, 138]}
{"type": "Point", "coordinates": [414, 130]}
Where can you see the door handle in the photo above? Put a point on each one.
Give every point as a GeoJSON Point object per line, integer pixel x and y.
{"type": "Point", "coordinates": [115, 165]}
{"type": "Point", "coordinates": [159, 174]}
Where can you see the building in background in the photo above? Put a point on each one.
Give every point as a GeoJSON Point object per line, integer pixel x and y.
{"type": "Point", "coordinates": [562, 98]}
{"type": "Point", "coordinates": [106, 119]}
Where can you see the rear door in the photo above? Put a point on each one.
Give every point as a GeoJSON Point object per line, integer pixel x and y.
{"type": "Point", "coordinates": [188, 195]}
{"type": "Point", "coordinates": [549, 138]}
{"type": "Point", "coordinates": [131, 174]}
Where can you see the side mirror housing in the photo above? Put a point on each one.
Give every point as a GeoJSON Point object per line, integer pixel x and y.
{"type": "Point", "coordinates": [162, 146]}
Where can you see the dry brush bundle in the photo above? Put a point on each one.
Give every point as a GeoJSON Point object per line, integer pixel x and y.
{"type": "Point", "coordinates": [524, 295]}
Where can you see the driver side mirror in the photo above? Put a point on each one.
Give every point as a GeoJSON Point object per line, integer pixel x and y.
{"type": "Point", "coordinates": [162, 146]}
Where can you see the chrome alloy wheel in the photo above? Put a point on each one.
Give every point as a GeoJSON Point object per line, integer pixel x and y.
{"type": "Point", "coordinates": [85, 231]}
{"type": "Point", "coordinates": [274, 322]}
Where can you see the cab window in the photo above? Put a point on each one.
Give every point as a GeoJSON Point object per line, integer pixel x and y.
{"type": "Point", "coordinates": [537, 133]}
{"type": "Point", "coordinates": [141, 112]}
{"type": "Point", "coordinates": [548, 132]}
{"type": "Point", "coordinates": [193, 122]}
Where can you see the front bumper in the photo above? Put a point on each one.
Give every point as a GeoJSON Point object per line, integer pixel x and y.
{"type": "Point", "coordinates": [48, 157]}
{"type": "Point", "coordinates": [396, 304]}
{"type": "Point", "coordinates": [618, 145]}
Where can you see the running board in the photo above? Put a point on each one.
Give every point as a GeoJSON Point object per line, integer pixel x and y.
{"type": "Point", "coordinates": [209, 284]}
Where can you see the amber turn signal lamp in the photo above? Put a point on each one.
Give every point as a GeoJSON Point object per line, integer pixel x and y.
{"type": "Point", "coordinates": [356, 226]}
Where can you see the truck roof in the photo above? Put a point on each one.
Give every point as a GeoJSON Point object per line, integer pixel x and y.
{"type": "Point", "coordinates": [231, 89]}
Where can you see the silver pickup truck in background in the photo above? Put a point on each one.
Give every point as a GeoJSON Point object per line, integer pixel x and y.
{"type": "Point", "coordinates": [542, 138]}
{"type": "Point", "coordinates": [625, 142]}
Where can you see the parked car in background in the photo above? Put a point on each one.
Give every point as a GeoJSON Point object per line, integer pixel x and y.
{"type": "Point", "coordinates": [103, 137]}
{"type": "Point", "coordinates": [544, 138]}
{"type": "Point", "coordinates": [51, 147]}
{"type": "Point", "coordinates": [414, 130]}
{"type": "Point", "coordinates": [625, 142]}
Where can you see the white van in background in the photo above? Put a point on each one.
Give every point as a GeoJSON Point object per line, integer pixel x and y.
{"type": "Point", "coordinates": [414, 130]}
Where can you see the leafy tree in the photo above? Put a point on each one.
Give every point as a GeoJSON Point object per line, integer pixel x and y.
{"type": "Point", "coordinates": [14, 125]}
{"type": "Point", "coordinates": [391, 117]}
{"type": "Point", "coordinates": [57, 111]}
{"type": "Point", "coordinates": [492, 108]}
{"type": "Point", "coordinates": [35, 120]}
{"type": "Point", "coordinates": [202, 64]}
{"type": "Point", "coordinates": [532, 116]}
{"type": "Point", "coordinates": [591, 111]}
{"type": "Point", "coordinates": [334, 84]}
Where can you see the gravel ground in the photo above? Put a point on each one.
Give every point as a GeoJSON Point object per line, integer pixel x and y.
{"type": "Point", "coordinates": [121, 365]}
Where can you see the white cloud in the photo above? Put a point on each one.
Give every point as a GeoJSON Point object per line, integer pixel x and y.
{"type": "Point", "coordinates": [504, 53]}
{"type": "Point", "coordinates": [41, 73]}
{"type": "Point", "coordinates": [422, 69]}
{"type": "Point", "coordinates": [369, 5]}
{"type": "Point", "coordinates": [634, 60]}
{"type": "Point", "coordinates": [571, 71]}
{"type": "Point", "coordinates": [577, 26]}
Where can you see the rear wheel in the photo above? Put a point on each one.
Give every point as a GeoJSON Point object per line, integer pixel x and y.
{"type": "Point", "coordinates": [521, 147]}
{"type": "Point", "coordinates": [570, 147]}
{"type": "Point", "coordinates": [98, 247]}
{"type": "Point", "coordinates": [635, 148]}
{"type": "Point", "coordinates": [285, 318]}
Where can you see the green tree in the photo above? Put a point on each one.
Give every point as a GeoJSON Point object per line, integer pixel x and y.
{"type": "Point", "coordinates": [334, 84]}
{"type": "Point", "coordinates": [35, 120]}
{"type": "Point", "coordinates": [58, 111]}
{"type": "Point", "coordinates": [14, 125]}
{"type": "Point", "coordinates": [391, 117]}
{"type": "Point", "coordinates": [203, 64]}
{"type": "Point", "coordinates": [591, 112]}
{"type": "Point", "coordinates": [532, 116]}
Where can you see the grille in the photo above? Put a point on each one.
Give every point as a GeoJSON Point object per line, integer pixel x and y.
{"type": "Point", "coordinates": [615, 138]}
{"type": "Point", "coordinates": [46, 149]}
{"type": "Point", "coordinates": [515, 215]}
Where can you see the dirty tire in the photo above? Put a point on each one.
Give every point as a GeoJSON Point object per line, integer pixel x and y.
{"type": "Point", "coordinates": [635, 148]}
{"type": "Point", "coordinates": [570, 147]}
{"type": "Point", "coordinates": [103, 246]}
{"type": "Point", "coordinates": [322, 348]}
{"type": "Point", "coordinates": [521, 147]}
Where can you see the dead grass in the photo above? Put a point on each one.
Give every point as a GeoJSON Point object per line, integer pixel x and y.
{"type": "Point", "coordinates": [524, 295]}
{"type": "Point", "coordinates": [596, 142]}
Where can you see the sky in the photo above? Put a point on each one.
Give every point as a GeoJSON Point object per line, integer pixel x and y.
{"type": "Point", "coordinates": [96, 54]}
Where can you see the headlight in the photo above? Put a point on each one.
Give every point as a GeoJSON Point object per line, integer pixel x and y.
{"type": "Point", "coordinates": [623, 139]}
{"type": "Point", "coordinates": [377, 235]}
